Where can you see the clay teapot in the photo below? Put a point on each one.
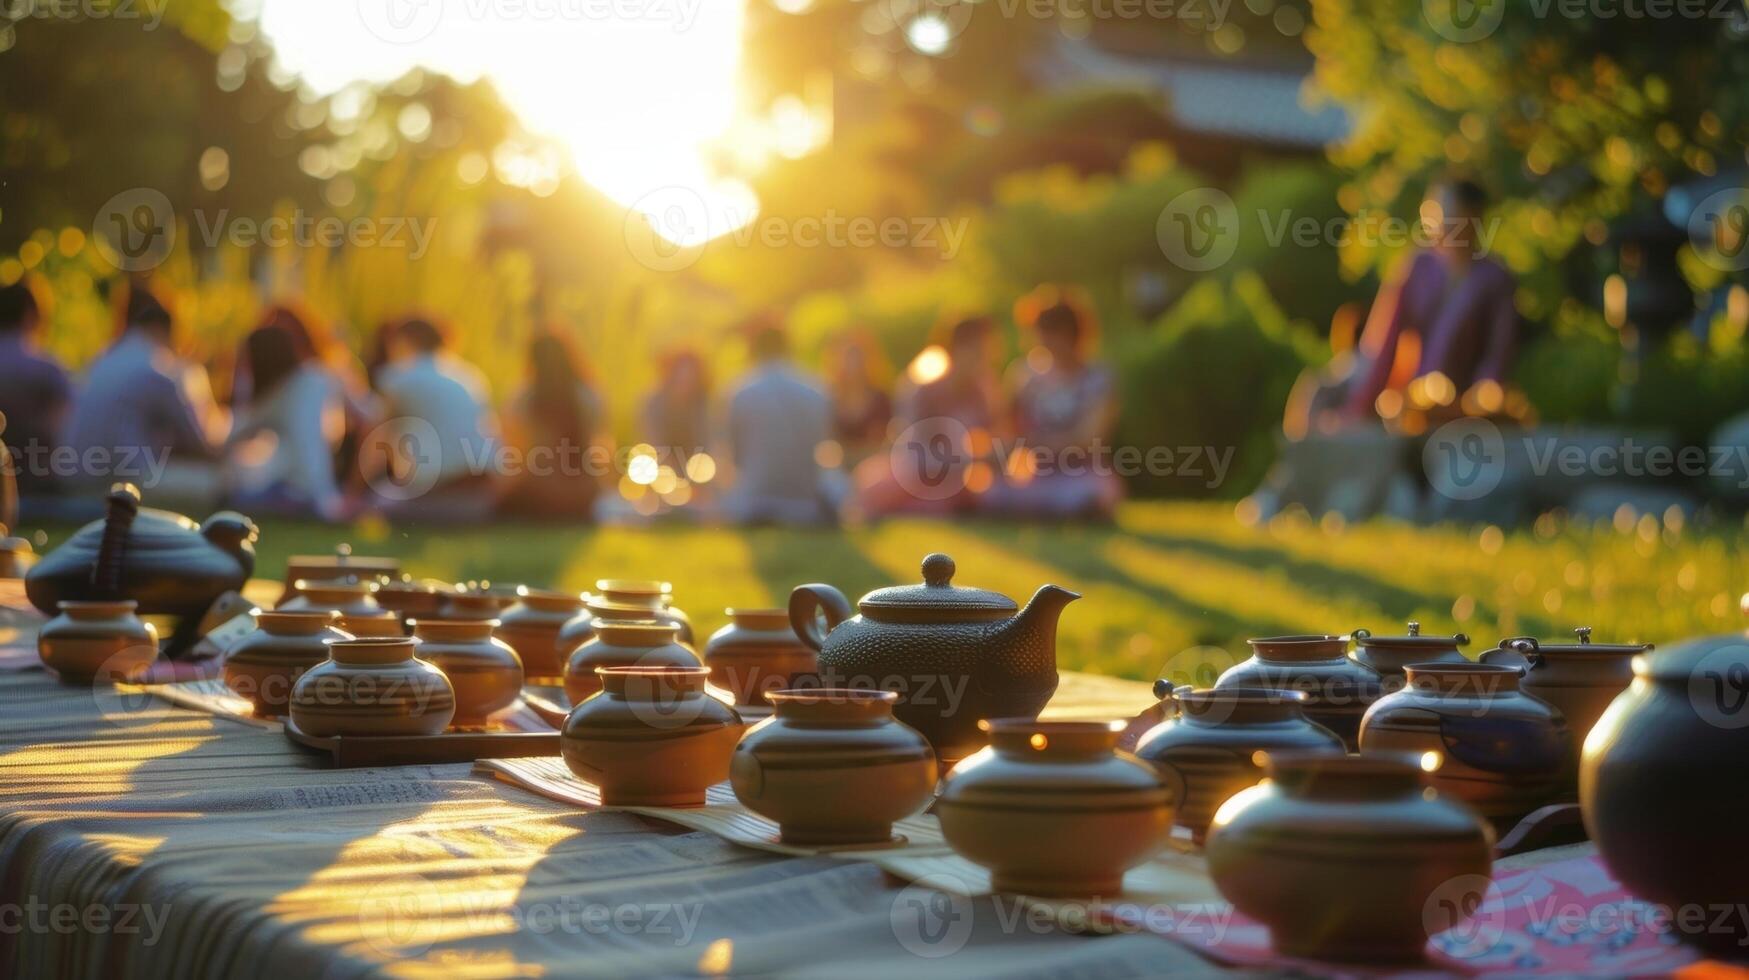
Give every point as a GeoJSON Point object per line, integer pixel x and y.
{"type": "Point", "coordinates": [1338, 688]}
{"type": "Point", "coordinates": [954, 655]}
{"type": "Point", "coordinates": [165, 562]}
{"type": "Point", "coordinates": [1389, 655]}
{"type": "Point", "coordinates": [1580, 678]}
{"type": "Point", "coordinates": [1664, 788]}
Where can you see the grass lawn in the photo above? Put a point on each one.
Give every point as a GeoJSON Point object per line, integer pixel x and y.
{"type": "Point", "coordinates": [1172, 586]}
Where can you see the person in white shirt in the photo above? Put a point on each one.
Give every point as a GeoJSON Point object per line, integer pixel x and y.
{"type": "Point", "coordinates": [280, 458]}
{"type": "Point", "coordinates": [778, 418]}
{"type": "Point", "coordinates": [440, 439]}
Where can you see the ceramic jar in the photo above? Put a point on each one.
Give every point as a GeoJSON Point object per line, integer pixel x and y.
{"type": "Point", "coordinates": [372, 687]}
{"type": "Point", "coordinates": [1052, 808]}
{"type": "Point", "coordinates": [1340, 856]}
{"type": "Point", "coordinates": [1580, 679]}
{"type": "Point", "coordinates": [348, 597]}
{"type": "Point", "coordinates": [410, 599]}
{"type": "Point", "coordinates": [655, 598]}
{"type": "Point", "coordinates": [651, 737]}
{"type": "Point", "coordinates": [1212, 747]}
{"type": "Point", "coordinates": [465, 603]}
{"type": "Point", "coordinates": [833, 767]}
{"type": "Point", "coordinates": [1389, 655]}
{"type": "Point", "coordinates": [1338, 689]}
{"type": "Point", "coordinates": [757, 652]}
{"type": "Point", "coordinates": [531, 627]}
{"type": "Point", "coordinates": [576, 631]}
{"type": "Point", "coordinates": [373, 625]}
{"type": "Point", "coordinates": [262, 666]}
{"type": "Point", "coordinates": [1494, 746]}
{"type": "Point", "coordinates": [91, 641]}
{"type": "Point", "coordinates": [484, 671]}
{"type": "Point", "coordinates": [624, 643]}
{"type": "Point", "coordinates": [1664, 786]}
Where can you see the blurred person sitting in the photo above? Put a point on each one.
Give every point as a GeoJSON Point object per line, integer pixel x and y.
{"type": "Point", "coordinates": [1062, 411]}
{"type": "Point", "coordinates": [947, 409]}
{"type": "Point", "coordinates": [778, 420]}
{"type": "Point", "coordinates": [857, 377]}
{"type": "Point", "coordinates": [555, 425]}
{"type": "Point", "coordinates": [145, 414]}
{"type": "Point", "coordinates": [288, 423]}
{"type": "Point", "coordinates": [438, 442]}
{"type": "Point", "coordinates": [676, 415]}
{"type": "Point", "coordinates": [36, 394]}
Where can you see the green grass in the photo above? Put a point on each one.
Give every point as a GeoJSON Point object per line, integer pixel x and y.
{"type": "Point", "coordinates": [1169, 583]}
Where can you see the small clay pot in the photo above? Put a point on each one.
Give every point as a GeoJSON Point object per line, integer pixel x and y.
{"type": "Point", "coordinates": [833, 767]}
{"type": "Point", "coordinates": [1338, 690]}
{"type": "Point", "coordinates": [94, 641]}
{"type": "Point", "coordinates": [471, 605]}
{"type": "Point", "coordinates": [1493, 746]}
{"type": "Point", "coordinates": [531, 627]}
{"type": "Point", "coordinates": [651, 737]}
{"type": "Point", "coordinates": [758, 652]}
{"type": "Point", "coordinates": [374, 626]}
{"type": "Point", "coordinates": [656, 599]}
{"type": "Point", "coordinates": [372, 688]}
{"type": "Point", "coordinates": [1213, 747]}
{"type": "Point", "coordinates": [1341, 856]}
{"type": "Point", "coordinates": [264, 665]}
{"type": "Point", "coordinates": [348, 597]}
{"type": "Point", "coordinates": [577, 631]}
{"type": "Point", "coordinates": [1052, 808]}
{"type": "Point", "coordinates": [624, 643]}
{"type": "Point", "coordinates": [1389, 655]}
{"type": "Point", "coordinates": [484, 671]}
{"type": "Point", "coordinates": [410, 599]}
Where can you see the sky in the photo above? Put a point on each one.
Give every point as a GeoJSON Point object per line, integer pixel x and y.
{"type": "Point", "coordinates": [633, 89]}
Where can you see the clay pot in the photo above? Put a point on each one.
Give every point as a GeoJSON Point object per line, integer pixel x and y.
{"type": "Point", "coordinates": [651, 737]}
{"type": "Point", "coordinates": [1052, 808]}
{"type": "Point", "coordinates": [1340, 855]}
{"type": "Point", "coordinates": [1494, 747]}
{"type": "Point", "coordinates": [576, 631]}
{"type": "Point", "coordinates": [1213, 746]}
{"type": "Point", "coordinates": [833, 767]}
{"type": "Point", "coordinates": [1389, 655]}
{"type": "Point", "coordinates": [372, 688]}
{"type": "Point", "coordinates": [264, 665]}
{"type": "Point", "coordinates": [465, 604]}
{"type": "Point", "coordinates": [373, 626]}
{"type": "Point", "coordinates": [656, 599]}
{"type": "Point", "coordinates": [348, 597]}
{"type": "Point", "coordinates": [757, 652]}
{"type": "Point", "coordinates": [410, 599]}
{"type": "Point", "coordinates": [97, 642]}
{"type": "Point", "coordinates": [1338, 690]}
{"type": "Point", "coordinates": [484, 671]}
{"type": "Point", "coordinates": [1580, 679]}
{"type": "Point", "coordinates": [531, 627]}
{"type": "Point", "coordinates": [1664, 787]}
{"type": "Point", "coordinates": [624, 643]}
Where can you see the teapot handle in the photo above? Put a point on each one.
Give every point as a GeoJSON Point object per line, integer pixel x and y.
{"type": "Point", "coordinates": [106, 571]}
{"type": "Point", "coordinates": [806, 601]}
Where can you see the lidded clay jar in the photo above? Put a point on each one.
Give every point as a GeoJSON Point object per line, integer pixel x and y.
{"type": "Point", "coordinates": [758, 651]}
{"type": "Point", "coordinates": [624, 643]}
{"type": "Point", "coordinates": [374, 626]}
{"type": "Point", "coordinates": [484, 671]}
{"type": "Point", "coordinates": [1053, 808]}
{"type": "Point", "coordinates": [1338, 689]}
{"type": "Point", "coordinates": [262, 666]}
{"type": "Point", "coordinates": [1389, 655]}
{"type": "Point", "coordinates": [833, 767]}
{"type": "Point", "coordinates": [1214, 745]}
{"type": "Point", "coordinates": [347, 596]}
{"type": "Point", "coordinates": [1343, 857]}
{"type": "Point", "coordinates": [531, 627]}
{"type": "Point", "coordinates": [97, 641]}
{"type": "Point", "coordinates": [410, 598]}
{"type": "Point", "coordinates": [473, 602]}
{"type": "Point", "coordinates": [1580, 679]}
{"type": "Point", "coordinates": [372, 687]}
{"type": "Point", "coordinates": [655, 598]}
{"type": "Point", "coordinates": [1497, 749]}
{"type": "Point", "coordinates": [651, 737]}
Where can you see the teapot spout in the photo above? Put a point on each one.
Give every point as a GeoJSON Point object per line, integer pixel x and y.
{"type": "Point", "coordinates": [1038, 621]}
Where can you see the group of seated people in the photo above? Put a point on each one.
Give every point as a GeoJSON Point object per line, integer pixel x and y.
{"type": "Point", "coordinates": [304, 427]}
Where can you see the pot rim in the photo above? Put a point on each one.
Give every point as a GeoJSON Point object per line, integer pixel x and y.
{"type": "Point", "coordinates": [830, 695]}
{"type": "Point", "coordinates": [1240, 695]}
{"type": "Point", "coordinates": [93, 605]}
{"type": "Point", "coordinates": [1054, 726]}
{"type": "Point", "coordinates": [1306, 639]}
{"type": "Point", "coordinates": [635, 586]}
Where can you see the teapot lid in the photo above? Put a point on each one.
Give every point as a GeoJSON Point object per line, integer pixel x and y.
{"type": "Point", "coordinates": [937, 599]}
{"type": "Point", "coordinates": [1415, 638]}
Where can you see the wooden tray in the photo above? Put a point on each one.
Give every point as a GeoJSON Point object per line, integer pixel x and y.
{"type": "Point", "coordinates": [358, 751]}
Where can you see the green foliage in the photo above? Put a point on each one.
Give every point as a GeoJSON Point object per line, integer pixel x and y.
{"type": "Point", "coordinates": [1308, 280]}
{"type": "Point", "coordinates": [1215, 372]}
